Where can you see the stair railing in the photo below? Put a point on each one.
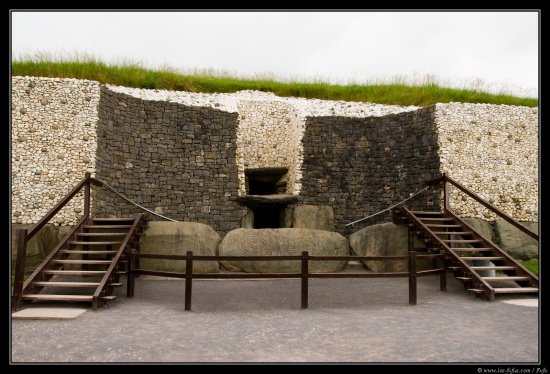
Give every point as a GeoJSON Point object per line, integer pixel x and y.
{"type": "Point", "coordinates": [446, 180]}
{"type": "Point", "coordinates": [25, 235]}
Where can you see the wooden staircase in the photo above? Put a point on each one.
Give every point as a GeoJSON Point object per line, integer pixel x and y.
{"type": "Point", "coordinates": [469, 256]}
{"type": "Point", "coordinates": [87, 264]}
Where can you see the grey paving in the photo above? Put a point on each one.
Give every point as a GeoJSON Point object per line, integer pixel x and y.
{"type": "Point", "coordinates": [348, 321]}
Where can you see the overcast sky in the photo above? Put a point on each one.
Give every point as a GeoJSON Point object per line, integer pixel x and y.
{"type": "Point", "coordinates": [495, 51]}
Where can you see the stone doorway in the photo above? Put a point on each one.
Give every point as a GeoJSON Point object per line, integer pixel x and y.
{"type": "Point", "coordinates": [266, 198]}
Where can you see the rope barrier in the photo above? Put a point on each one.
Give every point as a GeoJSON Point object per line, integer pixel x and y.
{"type": "Point", "coordinates": [393, 206]}
{"type": "Point", "coordinates": [131, 202]}
{"type": "Point", "coordinates": [173, 220]}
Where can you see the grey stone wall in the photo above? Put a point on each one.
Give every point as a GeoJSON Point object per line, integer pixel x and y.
{"type": "Point", "coordinates": [362, 166]}
{"type": "Point", "coordinates": [173, 159]}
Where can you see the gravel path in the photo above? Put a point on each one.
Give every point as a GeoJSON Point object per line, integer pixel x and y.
{"type": "Point", "coordinates": [367, 321]}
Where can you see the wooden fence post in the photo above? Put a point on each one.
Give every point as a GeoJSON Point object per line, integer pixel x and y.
{"type": "Point", "coordinates": [304, 279]}
{"type": "Point", "coordinates": [130, 274]}
{"type": "Point", "coordinates": [412, 277]}
{"type": "Point", "coordinates": [443, 275]}
{"type": "Point", "coordinates": [188, 279]}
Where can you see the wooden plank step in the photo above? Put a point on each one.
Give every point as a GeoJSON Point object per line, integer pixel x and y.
{"type": "Point", "coordinates": [108, 298]}
{"type": "Point", "coordinates": [464, 279]}
{"type": "Point", "coordinates": [107, 226]}
{"type": "Point", "coordinates": [78, 252]}
{"type": "Point", "coordinates": [100, 234]}
{"type": "Point", "coordinates": [114, 284]}
{"type": "Point", "coordinates": [443, 226]}
{"type": "Point", "coordinates": [460, 241]}
{"type": "Point", "coordinates": [422, 219]}
{"type": "Point", "coordinates": [90, 262]}
{"type": "Point", "coordinates": [475, 290]}
{"type": "Point", "coordinates": [74, 272]}
{"type": "Point", "coordinates": [76, 242]}
{"type": "Point", "coordinates": [58, 297]}
{"type": "Point", "coordinates": [97, 219]}
{"type": "Point", "coordinates": [516, 290]}
{"type": "Point", "coordinates": [472, 249]}
{"type": "Point", "coordinates": [417, 212]}
{"type": "Point", "coordinates": [474, 258]}
{"type": "Point", "coordinates": [452, 232]}
{"type": "Point", "coordinates": [508, 278]}
{"type": "Point", "coordinates": [493, 267]}
{"type": "Point", "coordinates": [67, 284]}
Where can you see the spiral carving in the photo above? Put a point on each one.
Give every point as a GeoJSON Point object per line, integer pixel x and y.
{"type": "Point", "coordinates": [283, 242]}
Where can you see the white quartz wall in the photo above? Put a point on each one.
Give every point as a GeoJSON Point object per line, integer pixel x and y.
{"type": "Point", "coordinates": [269, 136]}
{"type": "Point", "coordinates": [53, 144]}
{"type": "Point", "coordinates": [492, 150]}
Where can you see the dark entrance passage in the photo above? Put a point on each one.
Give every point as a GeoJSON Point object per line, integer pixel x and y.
{"type": "Point", "coordinates": [265, 181]}
{"type": "Point", "coordinates": [267, 199]}
{"type": "Point", "coordinates": [267, 217]}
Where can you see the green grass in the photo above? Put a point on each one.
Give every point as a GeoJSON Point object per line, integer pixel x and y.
{"type": "Point", "coordinates": [532, 265]}
{"type": "Point", "coordinates": [132, 74]}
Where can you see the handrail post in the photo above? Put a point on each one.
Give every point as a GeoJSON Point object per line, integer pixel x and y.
{"type": "Point", "coordinates": [188, 279]}
{"type": "Point", "coordinates": [87, 195]}
{"type": "Point", "coordinates": [445, 193]}
{"type": "Point", "coordinates": [20, 260]}
{"type": "Point", "coordinates": [304, 279]}
{"type": "Point", "coordinates": [412, 277]}
{"type": "Point", "coordinates": [130, 277]}
{"type": "Point", "coordinates": [443, 275]}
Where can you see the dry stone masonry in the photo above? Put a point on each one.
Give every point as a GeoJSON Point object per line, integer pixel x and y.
{"type": "Point", "coordinates": [186, 155]}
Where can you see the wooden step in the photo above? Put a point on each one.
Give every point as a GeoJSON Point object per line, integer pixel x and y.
{"type": "Point", "coordinates": [74, 272]}
{"type": "Point", "coordinates": [493, 267]}
{"type": "Point", "coordinates": [74, 284]}
{"type": "Point", "coordinates": [421, 212]}
{"type": "Point", "coordinates": [516, 290]}
{"type": "Point", "coordinates": [100, 234]}
{"type": "Point", "coordinates": [76, 242]}
{"type": "Point", "coordinates": [452, 232]}
{"type": "Point", "coordinates": [112, 220]}
{"type": "Point", "coordinates": [476, 290]}
{"type": "Point", "coordinates": [443, 226]}
{"type": "Point", "coordinates": [422, 219]}
{"type": "Point", "coordinates": [508, 278]}
{"type": "Point", "coordinates": [89, 262]}
{"type": "Point", "coordinates": [78, 252]}
{"type": "Point", "coordinates": [467, 241]}
{"type": "Point", "coordinates": [489, 258]}
{"type": "Point", "coordinates": [464, 279]}
{"type": "Point", "coordinates": [108, 297]}
{"type": "Point", "coordinates": [471, 249]}
{"type": "Point", "coordinates": [67, 284]}
{"type": "Point", "coordinates": [107, 226]}
{"type": "Point", "coordinates": [58, 297]}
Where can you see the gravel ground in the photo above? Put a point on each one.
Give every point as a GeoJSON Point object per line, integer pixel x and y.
{"type": "Point", "coordinates": [353, 320]}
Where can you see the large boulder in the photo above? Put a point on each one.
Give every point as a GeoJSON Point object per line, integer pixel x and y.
{"type": "Point", "coordinates": [516, 243]}
{"type": "Point", "coordinates": [176, 238]}
{"type": "Point", "coordinates": [283, 242]}
{"type": "Point", "coordinates": [313, 217]}
{"type": "Point", "coordinates": [386, 239]}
